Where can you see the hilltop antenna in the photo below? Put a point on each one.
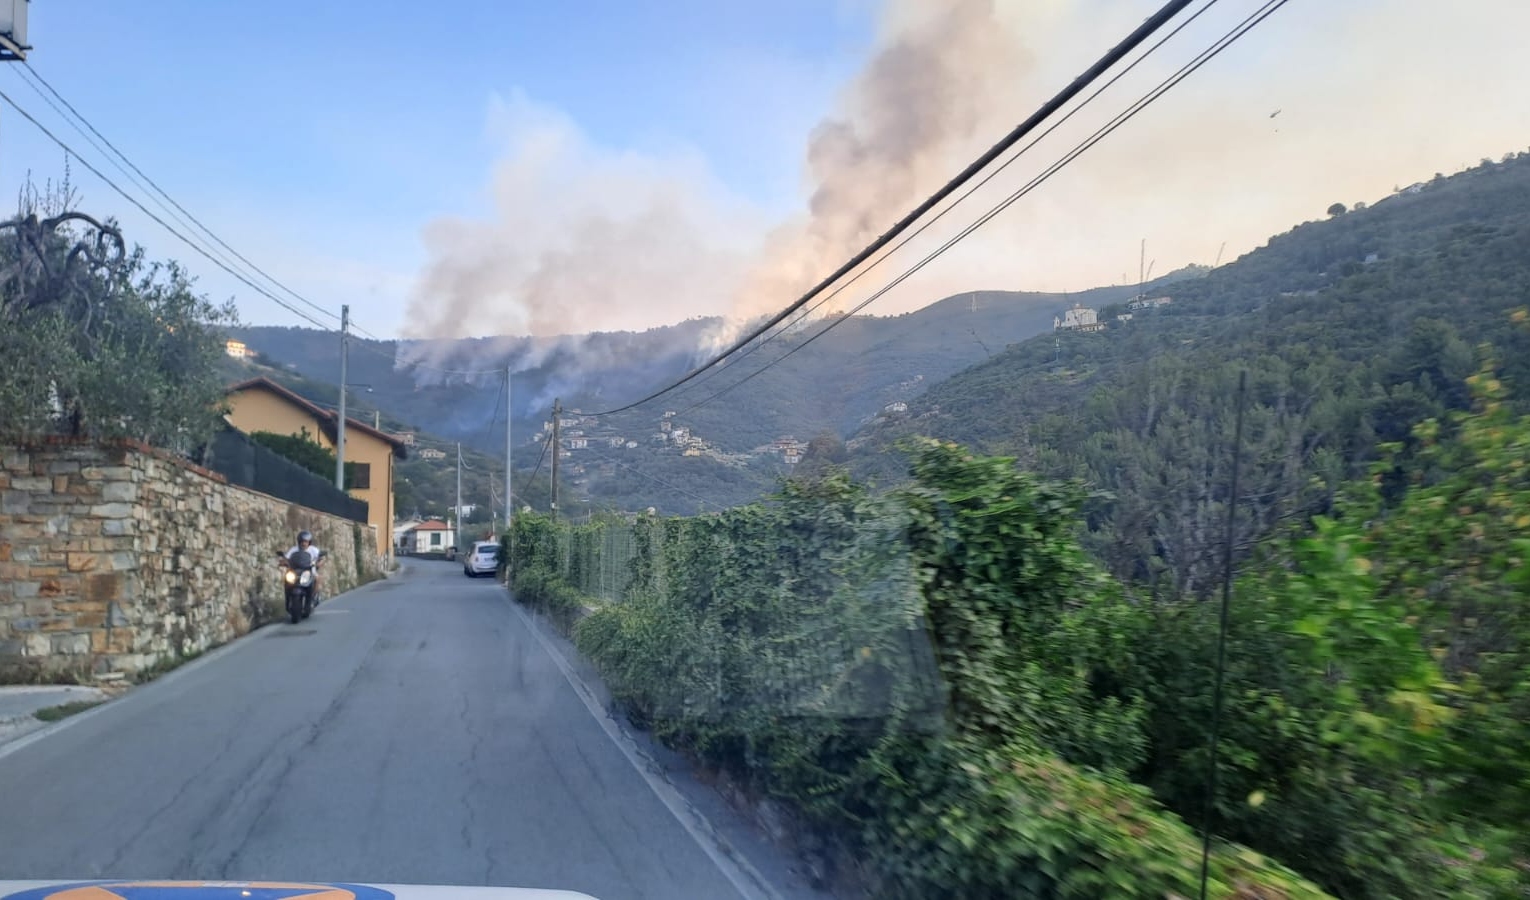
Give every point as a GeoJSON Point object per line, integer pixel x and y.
{"type": "Point", "coordinates": [1219, 255]}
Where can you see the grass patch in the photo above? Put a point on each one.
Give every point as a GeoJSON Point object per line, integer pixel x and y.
{"type": "Point", "coordinates": [167, 663]}
{"type": "Point", "coordinates": [65, 710]}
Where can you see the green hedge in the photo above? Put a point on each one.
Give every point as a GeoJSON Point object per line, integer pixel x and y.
{"type": "Point", "coordinates": [909, 672]}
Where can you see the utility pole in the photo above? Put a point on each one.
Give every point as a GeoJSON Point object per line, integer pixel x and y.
{"type": "Point", "coordinates": [510, 410]}
{"type": "Point", "coordinates": [345, 324]}
{"type": "Point", "coordinates": [557, 449]}
{"type": "Point", "coordinates": [457, 517]}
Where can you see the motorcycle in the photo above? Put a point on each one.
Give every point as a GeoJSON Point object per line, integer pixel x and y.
{"type": "Point", "coordinates": [297, 575]}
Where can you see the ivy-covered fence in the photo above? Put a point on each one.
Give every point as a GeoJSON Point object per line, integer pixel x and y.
{"type": "Point", "coordinates": [938, 679]}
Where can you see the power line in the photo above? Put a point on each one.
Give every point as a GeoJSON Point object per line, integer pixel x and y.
{"type": "Point", "coordinates": [31, 81]}
{"type": "Point", "coordinates": [1201, 59]}
{"type": "Point", "coordinates": [541, 456]}
{"type": "Point", "coordinates": [1120, 51]}
{"type": "Point", "coordinates": [162, 223]}
{"type": "Point", "coordinates": [969, 192]}
{"type": "Point", "coordinates": [27, 67]}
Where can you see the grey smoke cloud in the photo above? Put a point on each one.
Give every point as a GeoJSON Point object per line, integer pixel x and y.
{"type": "Point", "coordinates": [581, 238]}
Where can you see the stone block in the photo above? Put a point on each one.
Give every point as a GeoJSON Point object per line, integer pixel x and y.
{"type": "Point", "coordinates": [103, 587]}
{"type": "Point", "coordinates": [37, 644]}
{"type": "Point", "coordinates": [60, 484]}
{"type": "Point", "coordinates": [38, 483]}
{"type": "Point", "coordinates": [71, 644]}
{"type": "Point", "coordinates": [5, 551]}
{"type": "Point", "coordinates": [112, 510]}
{"type": "Point", "coordinates": [119, 492]}
{"type": "Point", "coordinates": [123, 561]}
{"type": "Point", "coordinates": [83, 562]}
{"type": "Point", "coordinates": [115, 640]}
{"type": "Point", "coordinates": [90, 619]}
{"type": "Point", "coordinates": [15, 502]}
{"type": "Point", "coordinates": [14, 459]}
{"type": "Point", "coordinates": [63, 467]}
{"type": "Point", "coordinates": [117, 527]}
{"type": "Point", "coordinates": [24, 624]}
{"type": "Point", "coordinates": [50, 587]}
{"type": "Point", "coordinates": [55, 624]}
{"type": "Point", "coordinates": [11, 647]}
{"type": "Point", "coordinates": [24, 590]}
{"type": "Point", "coordinates": [12, 609]}
{"type": "Point", "coordinates": [86, 527]}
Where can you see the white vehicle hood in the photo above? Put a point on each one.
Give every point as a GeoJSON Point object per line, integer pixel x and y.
{"type": "Point", "coordinates": [265, 890]}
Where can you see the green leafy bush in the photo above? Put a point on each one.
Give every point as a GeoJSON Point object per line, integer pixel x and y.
{"type": "Point", "coordinates": [909, 672]}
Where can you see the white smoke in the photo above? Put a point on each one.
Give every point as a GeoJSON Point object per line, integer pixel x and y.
{"type": "Point", "coordinates": [1370, 95]}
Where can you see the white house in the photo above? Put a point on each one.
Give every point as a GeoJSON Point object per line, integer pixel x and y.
{"type": "Point", "coordinates": [400, 529]}
{"type": "Point", "coordinates": [1145, 302]}
{"type": "Point", "coordinates": [1079, 318]}
{"type": "Point", "coordinates": [429, 537]}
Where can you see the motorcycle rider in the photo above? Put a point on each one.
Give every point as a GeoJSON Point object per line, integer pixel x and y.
{"type": "Point", "coordinates": [305, 542]}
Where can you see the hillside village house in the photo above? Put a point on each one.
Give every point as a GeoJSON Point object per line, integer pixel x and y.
{"type": "Point", "coordinates": [433, 536]}
{"type": "Point", "coordinates": [1079, 318]}
{"type": "Point", "coordinates": [263, 405]}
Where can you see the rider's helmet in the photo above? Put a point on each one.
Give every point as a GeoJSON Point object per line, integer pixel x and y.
{"type": "Point", "coordinates": [304, 537]}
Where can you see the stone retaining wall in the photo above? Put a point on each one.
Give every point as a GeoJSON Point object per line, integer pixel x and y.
{"type": "Point", "coordinates": [116, 557]}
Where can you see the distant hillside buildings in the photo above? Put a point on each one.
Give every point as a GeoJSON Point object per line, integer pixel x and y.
{"type": "Point", "coordinates": [1079, 318]}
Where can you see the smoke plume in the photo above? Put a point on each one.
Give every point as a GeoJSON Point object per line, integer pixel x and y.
{"type": "Point", "coordinates": [917, 112]}
{"type": "Point", "coordinates": [1325, 102]}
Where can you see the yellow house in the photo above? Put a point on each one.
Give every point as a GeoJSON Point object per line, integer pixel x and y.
{"type": "Point", "coordinates": [261, 404]}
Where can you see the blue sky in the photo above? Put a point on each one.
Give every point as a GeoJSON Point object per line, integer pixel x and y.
{"type": "Point", "coordinates": [608, 164]}
{"type": "Point", "coordinates": [332, 136]}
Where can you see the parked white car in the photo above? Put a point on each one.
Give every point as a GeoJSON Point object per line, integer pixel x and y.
{"type": "Point", "coordinates": [483, 559]}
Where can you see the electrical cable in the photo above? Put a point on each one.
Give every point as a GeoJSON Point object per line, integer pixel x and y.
{"type": "Point", "coordinates": [1189, 68]}
{"type": "Point", "coordinates": [1114, 55]}
{"type": "Point", "coordinates": [26, 67]}
{"type": "Point", "coordinates": [161, 222]}
{"type": "Point", "coordinates": [847, 283]}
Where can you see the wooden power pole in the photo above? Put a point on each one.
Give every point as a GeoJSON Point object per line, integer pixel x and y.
{"type": "Point", "coordinates": [557, 449]}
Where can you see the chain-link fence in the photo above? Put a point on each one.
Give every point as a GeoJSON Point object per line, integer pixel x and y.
{"type": "Point", "coordinates": [795, 633]}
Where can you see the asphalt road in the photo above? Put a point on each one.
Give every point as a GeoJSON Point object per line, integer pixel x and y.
{"type": "Point", "coordinates": [418, 730]}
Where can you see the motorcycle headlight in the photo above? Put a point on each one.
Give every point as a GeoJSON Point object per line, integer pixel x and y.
{"type": "Point", "coordinates": [291, 577]}
{"type": "Point", "coordinates": [307, 578]}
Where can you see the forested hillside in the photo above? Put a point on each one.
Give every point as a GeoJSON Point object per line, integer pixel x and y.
{"type": "Point", "coordinates": [1352, 331]}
